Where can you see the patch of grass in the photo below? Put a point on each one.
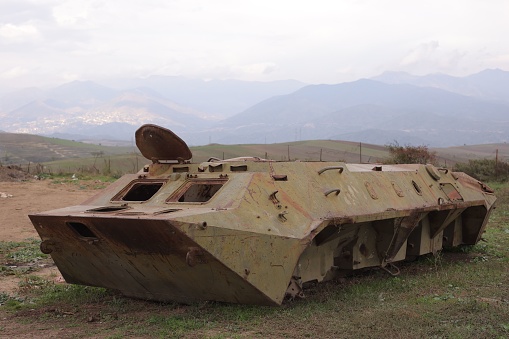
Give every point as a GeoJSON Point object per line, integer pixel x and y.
{"type": "Point", "coordinates": [20, 257]}
{"type": "Point", "coordinates": [175, 326]}
{"type": "Point", "coordinates": [9, 245]}
{"type": "Point", "coordinates": [82, 181]}
{"type": "Point", "coordinates": [4, 297]}
{"type": "Point", "coordinates": [26, 252]}
{"type": "Point", "coordinates": [69, 294]}
{"type": "Point", "coordinates": [31, 282]}
{"type": "Point", "coordinates": [13, 304]}
{"type": "Point", "coordinates": [36, 292]}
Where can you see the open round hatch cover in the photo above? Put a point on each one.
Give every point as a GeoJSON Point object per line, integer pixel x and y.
{"type": "Point", "coordinates": [158, 143]}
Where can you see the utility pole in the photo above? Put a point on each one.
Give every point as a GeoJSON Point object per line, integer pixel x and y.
{"type": "Point", "coordinates": [360, 152]}
{"type": "Point", "coordinates": [288, 152]}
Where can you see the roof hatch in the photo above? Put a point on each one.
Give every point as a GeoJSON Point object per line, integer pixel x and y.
{"type": "Point", "coordinates": [158, 143]}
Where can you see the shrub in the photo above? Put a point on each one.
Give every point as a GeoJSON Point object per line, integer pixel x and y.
{"type": "Point", "coordinates": [410, 154]}
{"type": "Point", "coordinates": [485, 169]}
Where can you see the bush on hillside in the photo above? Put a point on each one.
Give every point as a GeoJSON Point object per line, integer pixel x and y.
{"type": "Point", "coordinates": [410, 154]}
{"type": "Point", "coordinates": [485, 169]}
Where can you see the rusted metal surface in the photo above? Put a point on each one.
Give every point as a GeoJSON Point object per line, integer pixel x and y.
{"type": "Point", "coordinates": [158, 143]}
{"type": "Point", "coordinates": [254, 231]}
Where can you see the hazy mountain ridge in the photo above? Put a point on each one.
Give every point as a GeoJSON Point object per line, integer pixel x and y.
{"type": "Point", "coordinates": [436, 110]}
{"type": "Point", "coordinates": [218, 98]}
{"type": "Point", "coordinates": [82, 107]}
{"type": "Point", "coordinates": [372, 111]}
{"type": "Point", "coordinates": [490, 84]}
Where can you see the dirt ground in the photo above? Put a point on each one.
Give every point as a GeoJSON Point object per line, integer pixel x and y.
{"type": "Point", "coordinates": [21, 198]}
{"type": "Point", "coordinates": [21, 195]}
{"type": "Point", "coordinates": [27, 197]}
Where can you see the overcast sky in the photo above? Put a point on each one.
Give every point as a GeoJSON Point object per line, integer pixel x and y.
{"type": "Point", "coordinates": [44, 42]}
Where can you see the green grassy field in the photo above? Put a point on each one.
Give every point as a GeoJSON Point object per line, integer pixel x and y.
{"type": "Point", "coordinates": [330, 150]}
{"type": "Point", "coordinates": [457, 294]}
{"type": "Point", "coordinates": [24, 148]}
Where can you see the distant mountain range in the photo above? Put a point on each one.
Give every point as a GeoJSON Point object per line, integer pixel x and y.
{"type": "Point", "coordinates": [375, 112]}
{"type": "Point", "coordinates": [85, 109]}
{"type": "Point", "coordinates": [434, 110]}
{"type": "Point", "coordinates": [490, 84]}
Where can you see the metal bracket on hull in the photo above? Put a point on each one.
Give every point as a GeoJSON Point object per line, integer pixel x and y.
{"type": "Point", "coordinates": [294, 289]}
{"type": "Point", "coordinates": [395, 271]}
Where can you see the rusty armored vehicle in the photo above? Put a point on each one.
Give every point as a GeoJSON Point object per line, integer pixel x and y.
{"type": "Point", "coordinates": [254, 231]}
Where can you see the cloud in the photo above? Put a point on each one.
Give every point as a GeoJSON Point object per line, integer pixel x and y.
{"type": "Point", "coordinates": [71, 14]}
{"type": "Point", "coordinates": [18, 33]}
{"type": "Point", "coordinates": [421, 53]}
{"type": "Point", "coordinates": [14, 73]}
{"type": "Point", "coordinates": [67, 77]}
{"type": "Point", "coordinates": [258, 68]}
{"type": "Point", "coordinates": [324, 41]}
{"type": "Point", "coordinates": [235, 71]}
{"type": "Point", "coordinates": [435, 57]}
{"type": "Point", "coordinates": [21, 11]}
{"type": "Point", "coordinates": [452, 59]}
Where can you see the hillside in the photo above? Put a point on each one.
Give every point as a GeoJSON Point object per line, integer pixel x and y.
{"type": "Point", "coordinates": [330, 150]}
{"type": "Point", "coordinates": [64, 154]}
{"type": "Point", "coordinates": [464, 153]}
{"type": "Point", "coordinates": [26, 148]}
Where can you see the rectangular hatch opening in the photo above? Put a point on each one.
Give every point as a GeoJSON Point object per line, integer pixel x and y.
{"type": "Point", "coordinates": [107, 209]}
{"type": "Point", "coordinates": [139, 190]}
{"type": "Point", "coordinates": [197, 190]}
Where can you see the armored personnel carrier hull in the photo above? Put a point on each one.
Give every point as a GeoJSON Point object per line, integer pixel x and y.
{"type": "Point", "coordinates": [253, 231]}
